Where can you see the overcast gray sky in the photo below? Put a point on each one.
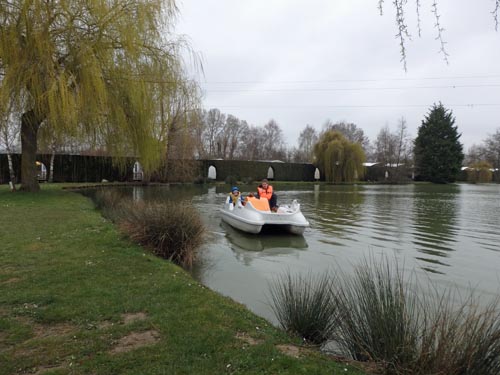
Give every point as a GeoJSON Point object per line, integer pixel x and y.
{"type": "Point", "coordinates": [303, 62]}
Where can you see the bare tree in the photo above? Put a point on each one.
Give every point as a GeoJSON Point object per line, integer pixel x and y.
{"type": "Point", "coordinates": [350, 131]}
{"type": "Point", "coordinates": [475, 154]}
{"type": "Point", "coordinates": [307, 139]}
{"type": "Point", "coordinates": [394, 149]}
{"type": "Point", "coordinates": [273, 146]}
{"type": "Point", "coordinates": [9, 140]}
{"type": "Point", "coordinates": [229, 137]}
{"type": "Point", "coordinates": [214, 125]}
{"type": "Point", "coordinates": [403, 148]}
{"type": "Point", "coordinates": [385, 146]}
{"type": "Point", "coordinates": [254, 140]}
{"type": "Point", "coordinates": [492, 151]}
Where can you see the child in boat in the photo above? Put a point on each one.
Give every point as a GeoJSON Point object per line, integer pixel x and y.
{"type": "Point", "coordinates": [235, 197]}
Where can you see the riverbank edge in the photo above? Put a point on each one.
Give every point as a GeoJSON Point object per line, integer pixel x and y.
{"type": "Point", "coordinates": [75, 296]}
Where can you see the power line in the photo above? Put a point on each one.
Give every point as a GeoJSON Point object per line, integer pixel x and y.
{"type": "Point", "coordinates": [355, 88]}
{"type": "Point", "coordinates": [471, 106]}
{"type": "Point", "coordinates": [492, 76]}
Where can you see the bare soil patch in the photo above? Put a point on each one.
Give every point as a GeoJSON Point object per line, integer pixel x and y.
{"type": "Point", "coordinates": [289, 350]}
{"type": "Point", "coordinates": [12, 280]}
{"type": "Point", "coordinates": [105, 324]}
{"type": "Point", "coordinates": [34, 246]}
{"type": "Point", "coordinates": [136, 340]}
{"type": "Point", "coordinates": [248, 339]}
{"type": "Point", "coordinates": [134, 317]}
{"type": "Point", "coordinates": [44, 369]}
{"type": "Point", "coordinates": [369, 367]}
{"type": "Point", "coordinates": [60, 329]}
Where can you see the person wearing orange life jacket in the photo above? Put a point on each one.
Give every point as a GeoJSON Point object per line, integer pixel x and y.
{"type": "Point", "coordinates": [264, 190]}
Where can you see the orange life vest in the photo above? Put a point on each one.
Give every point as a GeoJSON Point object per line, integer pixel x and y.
{"type": "Point", "coordinates": [265, 193]}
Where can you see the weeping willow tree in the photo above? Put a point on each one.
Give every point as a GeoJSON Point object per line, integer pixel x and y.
{"type": "Point", "coordinates": [480, 172]}
{"type": "Point", "coordinates": [97, 70]}
{"type": "Point", "coordinates": [340, 160]}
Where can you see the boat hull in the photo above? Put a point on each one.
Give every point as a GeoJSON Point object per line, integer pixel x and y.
{"type": "Point", "coordinates": [248, 219]}
{"type": "Point", "coordinates": [237, 223]}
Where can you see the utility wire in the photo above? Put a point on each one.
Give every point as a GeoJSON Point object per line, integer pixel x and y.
{"type": "Point", "coordinates": [354, 80]}
{"type": "Point", "coordinates": [471, 105]}
{"type": "Point", "coordinates": [355, 88]}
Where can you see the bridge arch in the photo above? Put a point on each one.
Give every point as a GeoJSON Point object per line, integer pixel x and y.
{"type": "Point", "coordinates": [270, 173]}
{"type": "Point", "coordinates": [212, 172]}
{"type": "Point", "coordinates": [317, 174]}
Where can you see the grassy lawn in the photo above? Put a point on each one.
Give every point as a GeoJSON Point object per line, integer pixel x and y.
{"type": "Point", "coordinates": [78, 298]}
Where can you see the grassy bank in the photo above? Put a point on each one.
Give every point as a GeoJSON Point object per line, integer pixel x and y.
{"type": "Point", "coordinates": [76, 297]}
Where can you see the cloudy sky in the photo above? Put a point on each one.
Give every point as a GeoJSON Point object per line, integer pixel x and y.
{"type": "Point", "coordinates": [304, 62]}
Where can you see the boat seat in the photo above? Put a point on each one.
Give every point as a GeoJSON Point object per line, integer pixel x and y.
{"type": "Point", "coordinates": [259, 204]}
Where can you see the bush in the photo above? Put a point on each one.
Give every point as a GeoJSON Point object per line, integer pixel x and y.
{"type": "Point", "coordinates": [463, 339]}
{"type": "Point", "coordinates": [111, 202]}
{"type": "Point", "coordinates": [375, 314]}
{"type": "Point", "coordinates": [200, 180]}
{"type": "Point", "coordinates": [378, 315]}
{"type": "Point", "coordinates": [248, 180]}
{"type": "Point", "coordinates": [386, 319]}
{"type": "Point", "coordinates": [303, 306]}
{"type": "Point", "coordinates": [171, 230]}
{"type": "Point", "coordinates": [231, 180]}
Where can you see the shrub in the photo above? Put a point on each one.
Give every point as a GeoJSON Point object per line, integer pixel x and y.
{"type": "Point", "coordinates": [171, 230]}
{"type": "Point", "coordinates": [111, 202]}
{"type": "Point", "coordinates": [460, 339]}
{"type": "Point", "coordinates": [231, 180]}
{"type": "Point", "coordinates": [375, 314]}
{"type": "Point", "coordinates": [248, 180]}
{"type": "Point", "coordinates": [385, 318]}
{"type": "Point", "coordinates": [303, 306]}
{"type": "Point", "coordinates": [378, 315]}
{"type": "Point", "coordinates": [200, 180]}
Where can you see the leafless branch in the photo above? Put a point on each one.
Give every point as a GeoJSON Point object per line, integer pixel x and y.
{"type": "Point", "coordinates": [381, 7]}
{"type": "Point", "coordinates": [440, 31]}
{"type": "Point", "coordinates": [402, 33]}
{"type": "Point", "coordinates": [495, 13]}
{"type": "Point", "coordinates": [417, 2]}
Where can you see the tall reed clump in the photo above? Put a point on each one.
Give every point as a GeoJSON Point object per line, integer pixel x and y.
{"type": "Point", "coordinates": [460, 338]}
{"type": "Point", "coordinates": [171, 230]}
{"type": "Point", "coordinates": [379, 315]}
{"type": "Point", "coordinates": [111, 202]}
{"type": "Point", "coordinates": [385, 318]}
{"type": "Point", "coordinates": [376, 314]}
{"type": "Point", "coordinates": [303, 306]}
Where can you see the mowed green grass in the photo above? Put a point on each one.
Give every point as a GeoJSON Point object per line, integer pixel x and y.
{"type": "Point", "coordinates": [76, 297]}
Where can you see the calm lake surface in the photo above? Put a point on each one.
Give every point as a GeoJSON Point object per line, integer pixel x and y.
{"type": "Point", "coordinates": [449, 234]}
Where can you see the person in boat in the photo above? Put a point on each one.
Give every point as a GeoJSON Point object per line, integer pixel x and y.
{"type": "Point", "coordinates": [235, 196]}
{"type": "Point", "coordinates": [264, 190]}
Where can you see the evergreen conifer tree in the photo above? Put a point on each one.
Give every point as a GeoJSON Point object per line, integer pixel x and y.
{"type": "Point", "coordinates": [438, 152]}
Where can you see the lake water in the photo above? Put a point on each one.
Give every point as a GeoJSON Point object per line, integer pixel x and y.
{"type": "Point", "coordinates": [449, 234]}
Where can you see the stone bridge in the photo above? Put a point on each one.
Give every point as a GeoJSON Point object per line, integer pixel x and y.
{"type": "Point", "coordinates": [222, 170]}
{"type": "Point", "coordinates": [82, 168]}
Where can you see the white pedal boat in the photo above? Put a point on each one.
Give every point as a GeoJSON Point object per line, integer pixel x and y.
{"type": "Point", "coordinates": [255, 214]}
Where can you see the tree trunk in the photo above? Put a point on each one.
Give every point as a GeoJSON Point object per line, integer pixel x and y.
{"type": "Point", "coordinates": [51, 171]}
{"type": "Point", "coordinates": [29, 132]}
{"type": "Point", "coordinates": [11, 171]}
